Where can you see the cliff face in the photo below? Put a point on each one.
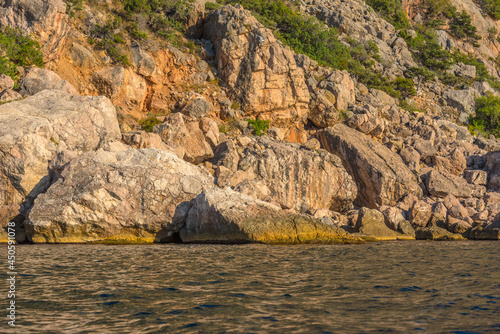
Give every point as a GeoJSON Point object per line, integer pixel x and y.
{"type": "Point", "coordinates": [369, 135]}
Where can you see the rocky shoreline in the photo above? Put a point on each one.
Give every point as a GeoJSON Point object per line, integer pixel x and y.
{"type": "Point", "coordinates": [339, 163]}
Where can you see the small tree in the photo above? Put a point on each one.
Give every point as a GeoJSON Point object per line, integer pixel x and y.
{"type": "Point", "coordinates": [487, 118]}
{"type": "Point", "coordinates": [461, 27]}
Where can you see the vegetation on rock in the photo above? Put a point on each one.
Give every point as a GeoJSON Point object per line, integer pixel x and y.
{"type": "Point", "coordinates": [487, 117]}
{"type": "Point", "coordinates": [18, 50]}
{"type": "Point", "coordinates": [259, 126]}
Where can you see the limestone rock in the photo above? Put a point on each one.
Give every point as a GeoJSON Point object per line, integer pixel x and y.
{"type": "Point", "coordinates": [6, 82]}
{"type": "Point", "coordinates": [178, 129]}
{"type": "Point", "coordinates": [260, 73]}
{"type": "Point", "coordinates": [465, 71]}
{"type": "Point", "coordinates": [493, 166]}
{"type": "Point", "coordinates": [109, 81]}
{"type": "Point", "coordinates": [436, 233]}
{"type": "Point", "coordinates": [81, 56]}
{"type": "Point", "coordinates": [463, 100]}
{"type": "Point", "coordinates": [38, 79]}
{"type": "Point", "coordinates": [9, 95]}
{"type": "Point", "coordinates": [125, 196]}
{"type": "Point", "coordinates": [342, 87]}
{"type": "Point", "coordinates": [478, 177]}
{"type": "Point", "coordinates": [142, 139]}
{"type": "Point", "coordinates": [285, 173]}
{"type": "Point", "coordinates": [145, 63]}
{"type": "Point", "coordinates": [380, 174]}
{"type": "Point", "coordinates": [440, 185]}
{"type": "Point", "coordinates": [420, 214]}
{"type": "Point", "coordinates": [197, 108]}
{"type": "Point", "coordinates": [36, 128]}
{"type": "Point", "coordinates": [487, 231]}
{"type": "Point", "coordinates": [226, 216]}
{"type": "Point", "coordinates": [371, 223]}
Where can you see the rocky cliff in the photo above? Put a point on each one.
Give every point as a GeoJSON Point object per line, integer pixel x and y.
{"type": "Point", "coordinates": [321, 121]}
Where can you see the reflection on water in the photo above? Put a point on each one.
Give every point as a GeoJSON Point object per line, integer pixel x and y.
{"type": "Point", "coordinates": [400, 286]}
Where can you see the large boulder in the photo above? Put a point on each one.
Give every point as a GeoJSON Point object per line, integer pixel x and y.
{"type": "Point", "coordinates": [34, 129]}
{"type": "Point", "coordinates": [493, 167]}
{"type": "Point", "coordinates": [109, 81]}
{"type": "Point", "coordinates": [380, 174]}
{"type": "Point", "coordinates": [441, 185]}
{"type": "Point", "coordinates": [342, 87]}
{"type": "Point", "coordinates": [38, 79]}
{"type": "Point", "coordinates": [436, 233]}
{"type": "Point", "coordinates": [6, 82]}
{"type": "Point", "coordinates": [124, 196]}
{"type": "Point", "coordinates": [226, 216]}
{"type": "Point", "coordinates": [47, 20]}
{"type": "Point", "coordinates": [259, 72]}
{"type": "Point", "coordinates": [288, 174]}
{"type": "Point", "coordinates": [145, 63]}
{"type": "Point", "coordinates": [462, 100]}
{"type": "Point", "coordinates": [186, 132]}
{"type": "Point", "coordinates": [487, 231]}
{"type": "Point", "coordinates": [371, 223]}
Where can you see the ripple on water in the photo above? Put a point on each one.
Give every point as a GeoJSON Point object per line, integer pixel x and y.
{"type": "Point", "coordinates": [397, 286]}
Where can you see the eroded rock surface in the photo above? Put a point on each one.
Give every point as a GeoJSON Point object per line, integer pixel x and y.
{"type": "Point", "coordinates": [287, 174]}
{"type": "Point", "coordinates": [34, 129]}
{"type": "Point", "coordinates": [226, 216]}
{"type": "Point", "coordinates": [260, 73]}
{"type": "Point", "coordinates": [380, 174]}
{"type": "Point", "coordinates": [124, 196]}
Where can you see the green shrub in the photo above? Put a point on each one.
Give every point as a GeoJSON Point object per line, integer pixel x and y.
{"type": "Point", "coordinates": [461, 27]}
{"type": "Point", "coordinates": [421, 72]}
{"type": "Point", "coordinates": [306, 35]}
{"type": "Point", "coordinates": [136, 33]}
{"type": "Point", "coordinates": [163, 16]}
{"type": "Point", "coordinates": [405, 86]}
{"type": "Point", "coordinates": [223, 129]}
{"type": "Point", "coordinates": [492, 33]}
{"type": "Point", "coordinates": [8, 68]}
{"type": "Point", "coordinates": [492, 7]}
{"type": "Point", "coordinates": [392, 11]}
{"type": "Point", "coordinates": [435, 9]}
{"type": "Point", "coordinates": [487, 118]}
{"type": "Point", "coordinates": [259, 126]}
{"type": "Point", "coordinates": [116, 55]}
{"type": "Point", "coordinates": [19, 50]}
{"type": "Point", "coordinates": [409, 107]}
{"type": "Point", "coordinates": [211, 6]}
{"type": "Point", "coordinates": [148, 123]}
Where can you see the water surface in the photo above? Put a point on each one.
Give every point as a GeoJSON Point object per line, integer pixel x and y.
{"type": "Point", "coordinates": [434, 287]}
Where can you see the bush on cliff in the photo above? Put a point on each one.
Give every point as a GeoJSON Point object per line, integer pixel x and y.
{"type": "Point", "coordinates": [18, 50]}
{"type": "Point", "coordinates": [492, 7]}
{"type": "Point", "coordinates": [309, 36]}
{"type": "Point", "coordinates": [461, 27]}
{"type": "Point", "coordinates": [392, 11]}
{"type": "Point", "coordinates": [259, 126]}
{"type": "Point", "coordinates": [487, 118]}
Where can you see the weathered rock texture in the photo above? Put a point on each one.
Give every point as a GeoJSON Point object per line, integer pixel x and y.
{"type": "Point", "coordinates": [180, 130]}
{"type": "Point", "coordinates": [38, 79]}
{"type": "Point", "coordinates": [35, 129]}
{"type": "Point", "coordinates": [287, 174]}
{"type": "Point", "coordinates": [226, 216]}
{"type": "Point", "coordinates": [126, 196]}
{"type": "Point", "coordinates": [380, 174]}
{"type": "Point", "coordinates": [260, 73]}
